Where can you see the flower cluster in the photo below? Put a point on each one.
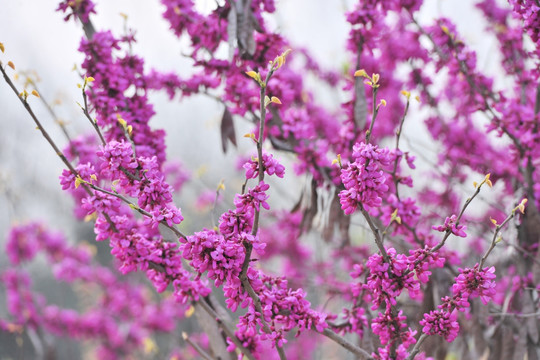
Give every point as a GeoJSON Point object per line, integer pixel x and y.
{"type": "Point", "coordinates": [423, 260]}
{"type": "Point", "coordinates": [271, 166]}
{"type": "Point", "coordinates": [390, 329]}
{"type": "Point", "coordinates": [288, 307]}
{"type": "Point", "coordinates": [138, 247]}
{"type": "Point", "coordinates": [253, 199]}
{"type": "Point", "coordinates": [364, 180]}
{"type": "Point", "coordinates": [528, 12]}
{"type": "Point", "coordinates": [442, 323]}
{"type": "Point", "coordinates": [209, 251]}
{"type": "Point", "coordinates": [115, 157]}
{"type": "Point", "coordinates": [283, 308]}
{"type": "Point", "coordinates": [80, 9]}
{"type": "Point", "coordinates": [113, 74]}
{"type": "Point", "coordinates": [386, 280]}
{"type": "Point", "coordinates": [451, 225]}
{"type": "Point", "coordinates": [470, 283]}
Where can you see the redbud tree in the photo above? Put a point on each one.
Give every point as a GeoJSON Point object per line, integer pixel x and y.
{"type": "Point", "coordinates": [376, 259]}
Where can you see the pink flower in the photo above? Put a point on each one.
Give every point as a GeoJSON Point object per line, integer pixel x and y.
{"type": "Point", "coordinates": [475, 283]}
{"type": "Point", "coordinates": [253, 199]}
{"type": "Point", "coordinates": [363, 179]}
{"type": "Point", "coordinates": [386, 280]}
{"type": "Point", "coordinates": [440, 322]}
{"type": "Point", "coordinates": [210, 252]}
{"type": "Point", "coordinates": [451, 226]}
{"type": "Point", "coordinates": [271, 166]}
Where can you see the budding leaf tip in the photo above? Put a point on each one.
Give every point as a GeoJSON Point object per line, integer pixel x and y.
{"type": "Point", "coordinates": [252, 74]}
{"type": "Point", "coordinates": [361, 73]}
{"type": "Point", "coordinates": [189, 312]}
{"type": "Point", "coordinates": [221, 186]}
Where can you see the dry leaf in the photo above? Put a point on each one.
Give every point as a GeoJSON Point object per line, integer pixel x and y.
{"type": "Point", "coordinates": [227, 130]}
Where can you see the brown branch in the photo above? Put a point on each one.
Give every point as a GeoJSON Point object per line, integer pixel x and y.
{"type": "Point", "coordinates": [374, 114]}
{"type": "Point", "coordinates": [137, 208]}
{"type": "Point", "coordinates": [363, 354]}
{"type": "Point", "coordinates": [494, 240]}
{"type": "Point", "coordinates": [87, 114]}
{"type": "Point", "coordinates": [448, 232]}
{"type": "Point", "coordinates": [226, 329]}
{"type": "Point", "coordinates": [197, 348]}
{"type": "Point", "coordinates": [416, 347]}
{"type": "Point", "coordinates": [375, 230]}
{"type": "Point", "coordinates": [398, 136]}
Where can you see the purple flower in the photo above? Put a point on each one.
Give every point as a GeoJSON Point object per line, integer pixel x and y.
{"type": "Point", "coordinates": [386, 280]}
{"type": "Point", "coordinates": [451, 225]}
{"type": "Point", "coordinates": [440, 322]}
{"type": "Point", "coordinates": [209, 252]}
{"type": "Point", "coordinates": [80, 9]}
{"type": "Point", "coordinates": [364, 181]}
{"type": "Point", "coordinates": [116, 155]}
{"type": "Point", "coordinates": [422, 260]}
{"type": "Point", "coordinates": [271, 166]}
{"type": "Point", "coordinates": [253, 199]}
{"type": "Point", "coordinates": [475, 283]}
{"type": "Point", "coordinates": [356, 319]}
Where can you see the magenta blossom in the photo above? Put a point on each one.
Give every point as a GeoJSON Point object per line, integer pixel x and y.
{"type": "Point", "coordinates": [451, 225]}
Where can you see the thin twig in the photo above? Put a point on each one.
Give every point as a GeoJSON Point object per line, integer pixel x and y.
{"type": "Point", "coordinates": [494, 240]}
{"type": "Point", "coordinates": [226, 329]}
{"type": "Point", "coordinates": [398, 135]}
{"type": "Point", "coordinates": [55, 117]}
{"type": "Point", "coordinates": [530, 315]}
{"type": "Point", "coordinates": [416, 347]}
{"type": "Point", "coordinates": [374, 114]}
{"type": "Point", "coordinates": [92, 121]}
{"type": "Point", "coordinates": [197, 348]}
{"type": "Point", "coordinates": [375, 230]}
{"type": "Point", "coordinates": [137, 208]}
